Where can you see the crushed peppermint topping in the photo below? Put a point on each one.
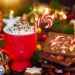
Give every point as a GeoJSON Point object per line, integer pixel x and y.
{"type": "Point", "coordinates": [62, 42]}
{"type": "Point", "coordinates": [17, 26]}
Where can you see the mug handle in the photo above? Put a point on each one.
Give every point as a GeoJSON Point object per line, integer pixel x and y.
{"type": "Point", "coordinates": [3, 49]}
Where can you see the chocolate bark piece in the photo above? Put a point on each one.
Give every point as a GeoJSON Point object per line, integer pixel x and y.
{"type": "Point", "coordinates": [59, 49]}
{"type": "Point", "coordinates": [60, 46]}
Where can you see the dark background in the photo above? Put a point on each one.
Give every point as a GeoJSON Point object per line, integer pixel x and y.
{"type": "Point", "coordinates": [68, 3]}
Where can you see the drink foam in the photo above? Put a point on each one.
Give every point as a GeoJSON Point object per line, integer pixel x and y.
{"type": "Point", "coordinates": [16, 31]}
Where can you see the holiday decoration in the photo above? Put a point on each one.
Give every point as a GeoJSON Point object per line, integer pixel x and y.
{"type": "Point", "coordinates": [39, 30]}
{"type": "Point", "coordinates": [38, 46]}
{"type": "Point", "coordinates": [70, 16]}
{"type": "Point", "coordinates": [43, 37]}
{"type": "Point", "coordinates": [33, 70]}
{"type": "Point", "coordinates": [41, 18]}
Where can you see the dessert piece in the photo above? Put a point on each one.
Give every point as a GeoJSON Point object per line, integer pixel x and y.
{"type": "Point", "coordinates": [60, 44]}
{"type": "Point", "coordinates": [33, 71]}
{"type": "Point", "coordinates": [59, 49]}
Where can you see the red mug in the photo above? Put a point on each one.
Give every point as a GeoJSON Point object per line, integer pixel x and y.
{"type": "Point", "coordinates": [20, 48]}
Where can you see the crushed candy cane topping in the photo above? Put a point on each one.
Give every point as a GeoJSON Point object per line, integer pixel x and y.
{"type": "Point", "coordinates": [62, 42]}
{"type": "Point", "coordinates": [16, 26]}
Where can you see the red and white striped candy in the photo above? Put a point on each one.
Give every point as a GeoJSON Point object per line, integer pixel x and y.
{"type": "Point", "coordinates": [48, 17]}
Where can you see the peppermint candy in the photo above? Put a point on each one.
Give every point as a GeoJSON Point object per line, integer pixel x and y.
{"type": "Point", "coordinates": [48, 17]}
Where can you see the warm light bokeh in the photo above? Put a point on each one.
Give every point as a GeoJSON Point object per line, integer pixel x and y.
{"type": "Point", "coordinates": [41, 9]}
{"type": "Point", "coordinates": [10, 2]}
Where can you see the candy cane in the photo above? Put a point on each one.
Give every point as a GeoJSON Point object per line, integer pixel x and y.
{"type": "Point", "coordinates": [50, 21]}
{"type": "Point", "coordinates": [41, 18]}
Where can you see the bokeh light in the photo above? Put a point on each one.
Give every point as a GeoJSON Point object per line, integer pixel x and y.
{"type": "Point", "coordinates": [10, 2]}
